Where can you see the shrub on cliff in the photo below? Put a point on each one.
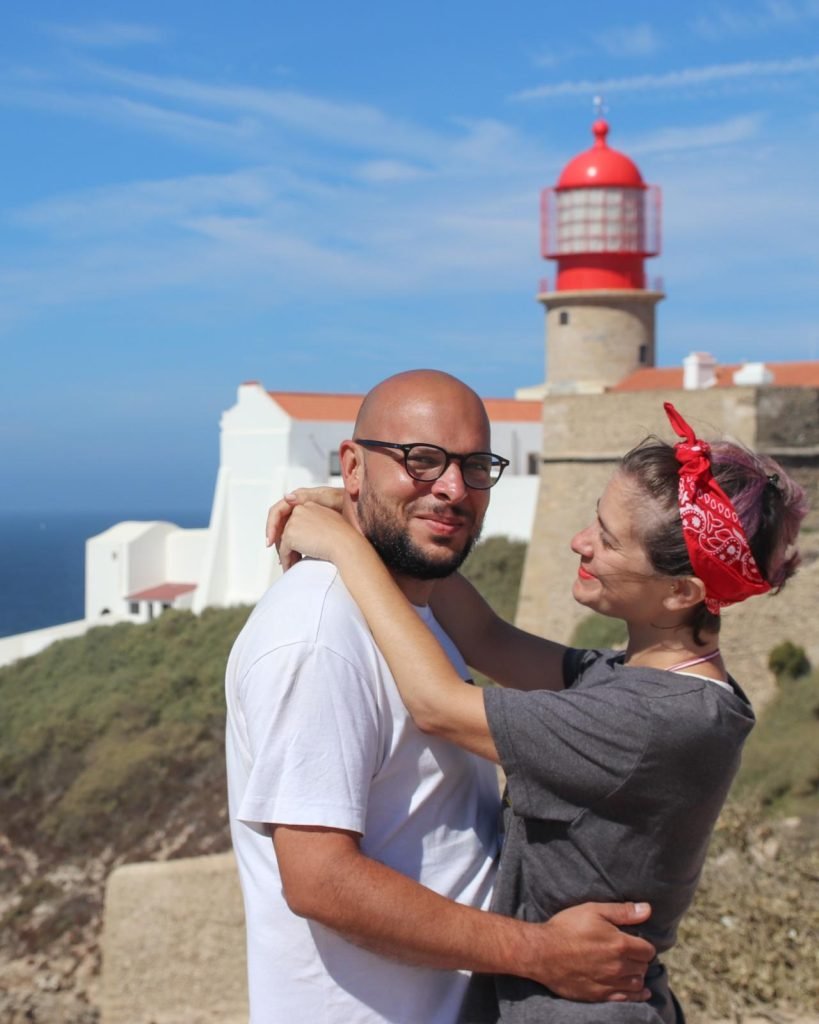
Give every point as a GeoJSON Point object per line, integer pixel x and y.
{"type": "Point", "coordinates": [100, 734]}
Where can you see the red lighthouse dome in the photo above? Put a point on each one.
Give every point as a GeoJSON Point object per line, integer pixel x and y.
{"type": "Point", "coordinates": [600, 165]}
{"type": "Point", "coordinates": [601, 220]}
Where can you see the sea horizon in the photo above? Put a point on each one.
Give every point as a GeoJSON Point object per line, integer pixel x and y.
{"type": "Point", "coordinates": [42, 561]}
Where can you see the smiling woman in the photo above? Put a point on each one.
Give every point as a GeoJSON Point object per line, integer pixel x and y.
{"type": "Point", "coordinates": [617, 763]}
{"type": "Point", "coordinates": [615, 575]}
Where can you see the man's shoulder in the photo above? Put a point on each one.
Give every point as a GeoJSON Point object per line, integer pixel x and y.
{"type": "Point", "coordinates": [307, 579]}
{"type": "Point", "coordinates": [307, 614]}
{"type": "Point", "coordinates": [309, 604]}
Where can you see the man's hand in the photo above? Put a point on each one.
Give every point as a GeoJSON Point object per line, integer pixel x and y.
{"type": "Point", "coordinates": [278, 514]}
{"type": "Point", "coordinates": [588, 958]}
{"type": "Point", "coordinates": [580, 953]}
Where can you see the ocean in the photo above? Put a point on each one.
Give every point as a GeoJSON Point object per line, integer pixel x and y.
{"type": "Point", "coordinates": [42, 563]}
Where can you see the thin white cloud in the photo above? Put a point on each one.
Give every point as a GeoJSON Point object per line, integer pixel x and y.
{"type": "Point", "coordinates": [686, 78]}
{"type": "Point", "coordinates": [128, 113]}
{"type": "Point", "coordinates": [354, 123]}
{"type": "Point", "coordinates": [553, 58]}
{"type": "Point", "coordinates": [261, 124]}
{"type": "Point", "coordinates": [137, 205]}
{"type": "Point", "coordinates": [107, 35]}
{"type": "Point", "coordinates": [754, 19]}
{"type": "Point", "coordinates": [629, 41]}
{"type": "Point", "coordinates": [700, 136]}
{"type": "Point", "coordinates": [269, 235]}
{"type": "Point", "coordinates": [382, 172]}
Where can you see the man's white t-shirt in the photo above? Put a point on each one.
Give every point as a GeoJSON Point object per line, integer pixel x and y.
{"type": "Point", "coordinates": [317, 735]}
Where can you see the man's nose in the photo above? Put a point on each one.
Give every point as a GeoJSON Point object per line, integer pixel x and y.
{"type": "Point", "coordinates": [450, 483]}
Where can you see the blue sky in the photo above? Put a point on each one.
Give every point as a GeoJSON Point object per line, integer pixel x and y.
{"type": "Point", "coordinates": [318, 194]}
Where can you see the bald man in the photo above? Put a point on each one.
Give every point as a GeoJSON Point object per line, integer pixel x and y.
{"type": "Point", "coordinates": [368, 904]}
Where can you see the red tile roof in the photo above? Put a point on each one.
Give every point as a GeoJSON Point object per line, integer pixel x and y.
{"type": "Point", "coordinates": [162, 592]}
{"type": "Point", "coordinates": [513, 410]}
{"type": "Point", "coordinates": [318, 405]}
{"type": "Point", "coordinates": [670, 378]}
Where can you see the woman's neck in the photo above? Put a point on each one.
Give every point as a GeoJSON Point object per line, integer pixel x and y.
{"type": "Point", "coordinates": [649, 647]}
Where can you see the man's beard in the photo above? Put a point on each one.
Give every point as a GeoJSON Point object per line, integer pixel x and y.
{"type": "Point", "coordinates": [395, 548]}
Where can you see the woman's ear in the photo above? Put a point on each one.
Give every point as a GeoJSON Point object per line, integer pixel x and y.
{"type": "Point", "coordinates": [352, 467]}
{"type": "Point", "coordinates": [685, 592]}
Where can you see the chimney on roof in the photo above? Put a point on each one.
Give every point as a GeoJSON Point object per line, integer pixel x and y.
{"type": "Point", "coordinates": [699, 371]}
{"type": "Point", "coordinates": [753, 375]}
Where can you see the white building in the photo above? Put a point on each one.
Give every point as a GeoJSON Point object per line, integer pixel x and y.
{"type": "Point", "coordinates": [272, 442]}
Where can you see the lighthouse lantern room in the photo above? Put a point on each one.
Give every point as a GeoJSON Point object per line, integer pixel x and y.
{"type": "Point", "coordinates": [600, 222]}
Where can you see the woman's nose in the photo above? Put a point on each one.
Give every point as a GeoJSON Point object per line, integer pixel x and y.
{"type": "Point", "coordinates": [581, 542]}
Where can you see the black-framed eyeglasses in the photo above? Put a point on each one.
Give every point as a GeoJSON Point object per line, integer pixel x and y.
{"type": "Point", "coordinates": [480, 470]}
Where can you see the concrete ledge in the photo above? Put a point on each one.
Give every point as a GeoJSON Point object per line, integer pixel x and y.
{"type": "Point", "coordinates": [173, 944]}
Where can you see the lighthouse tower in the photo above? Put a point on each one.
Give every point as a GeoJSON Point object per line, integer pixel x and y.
{"type": "Point", "coordinates": [600, 223]}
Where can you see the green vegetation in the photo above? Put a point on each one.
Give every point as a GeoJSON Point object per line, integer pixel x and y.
{"type": "Point", "coordinates": [788, 660]}
{"type": "Point", "coordinates": [599, 631]}
{"type": "Point", "coordinates": [780, 766]}
{"type": "Point", "coordinates": [495, 567]}
{"type": "Point", "coordinates": [99, 735]}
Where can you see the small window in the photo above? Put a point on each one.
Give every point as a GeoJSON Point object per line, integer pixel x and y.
{"type": "Point", "coordinates": [133, 607]}
{"type": "Point", "coordinates": [643, 355]}
{"type": "Point", "coordinates": [564, 317]}
{"type": "Point", "coordinates": [334, 467]}
{"type": "Point", "coordinates": [533, 464]}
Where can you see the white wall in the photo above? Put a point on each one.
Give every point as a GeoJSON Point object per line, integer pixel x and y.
{"type": "Point", "coordinates": [516, 441]}
{"type": "Point", "coordinates": [126, 558]}
{"type": "Point", "coordinates": [25, 645]}
{"type": "Point", "coordinates": [184, 554]}
{"type": "Point", "coordinates": [311, 443]}
{"type": "Point", "coordinates": [511, 511]}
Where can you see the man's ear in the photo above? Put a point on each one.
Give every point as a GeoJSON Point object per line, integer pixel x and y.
{"type": "Point", "coordinates": [351, 458]}
{"type": "Point", "coordinates": [685, 592]}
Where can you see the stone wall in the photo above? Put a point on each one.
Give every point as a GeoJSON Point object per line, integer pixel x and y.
{"type": "Point", "coordinates": [173, 944]}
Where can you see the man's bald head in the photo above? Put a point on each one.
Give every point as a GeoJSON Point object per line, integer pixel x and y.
{"type": "Point", "coordinates": [405, 397]}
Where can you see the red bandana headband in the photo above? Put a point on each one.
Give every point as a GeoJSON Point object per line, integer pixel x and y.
{"type": "Point", "coordinates": [717, 546]}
